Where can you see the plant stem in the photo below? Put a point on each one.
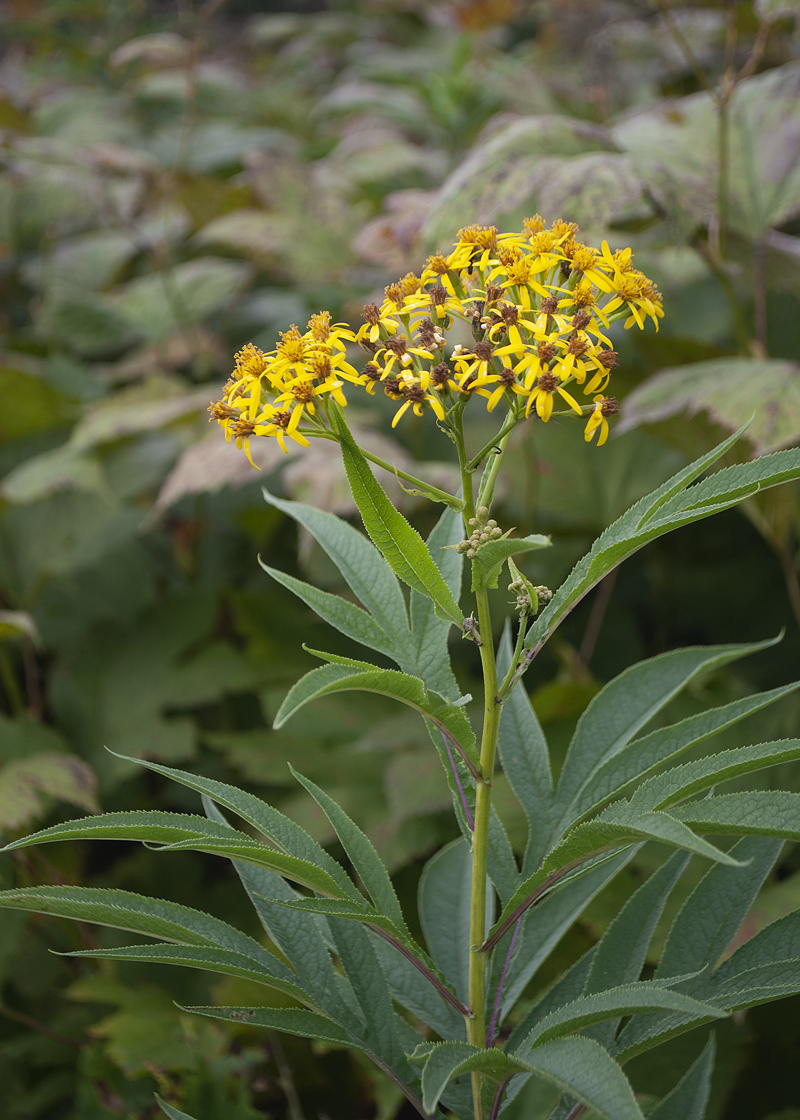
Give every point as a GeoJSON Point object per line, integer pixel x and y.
{"type": "Point", "coordinates": [511, 422]}
{"type": "Point", "coordinates": [433, 492]}
{"type": "Point", "coordinates": [486, 490]}
{"type": "Point", "coordinates": [476, 1023]}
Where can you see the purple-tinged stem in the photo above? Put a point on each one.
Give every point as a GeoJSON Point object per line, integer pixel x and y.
{"type": "Point", "coordinates": [468, 814]}
{"type": "Point", "coordinates": [498, 997]}
{"type": "Point", "coordinates": [426, 972]}
{"type": "Point", "coordinates": [449, 738]}
{"type": "Point", "coordinates": [498, 1099]}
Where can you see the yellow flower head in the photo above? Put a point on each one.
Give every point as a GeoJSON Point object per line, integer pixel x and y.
{"type": "Point", "coordinates": [533, 225]}
{"type": "Point", "coordinates": [536, 303]}
{"type": "Point", "coordinates": [250, 361]}
{"type": "Point", "coordinates": [291, 346]}
{"type": "Point", "coordinates": [320, 326]}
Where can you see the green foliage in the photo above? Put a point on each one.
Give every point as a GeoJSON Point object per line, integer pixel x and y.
{"type": "Point", "coordinates": [158, 208]}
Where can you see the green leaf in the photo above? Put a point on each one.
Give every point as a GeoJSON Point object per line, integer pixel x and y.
{"type": "Point", "coordinates": [299, 937]}
{"type": "Point", "coordinates": [283, 831]}
{"type": "Point", "coordinates": [444, 909]}
{"type": "Point", "coordinates": [387, 682]}
{"type": "Point", "coordinates": [667, 508]}
{"type": "Point", "coordinates": [491, 556]}
{"type": "Point", "coordinates": [386, 930]}
{"type": "Point", "coordinates": [296, 1021]}
{"type": "Point", "coordinates": [447, 1060]}
{"type": "Point", "coordinates": [402, 546]}
{"type": "Point", "coordinates": [172, 1112]}
{"type": "Point", "coordinates": [179, 832]}
{"type": "Point", "coordinates": [578, 1066]}
{"type": "Point", "coordinates": [779, 941]}
{"type": "Point", "coordinates": [526, 762]}
{"type": "Point", "coordinates": [501, 861]}
{"type": "Point", "coordinates": [153, 917]}
{"type": "Point", "coordinates": [715, 909]}
{"type": "Point", "coordinates": [621, 951]}
{"type": "Point", "coordinates": [345, 617]}
{"type": "Point", "coordinates": [700, 934]}
{"type": "Point", "coordinates": [689, 1098]}
{"type": "Point", "coordinates": [618, 826]}
{"type": "Point", "coordinates": [362, 968]}
{"type": "Point", "coordinates": [674, 785]}
{"type": "Point", "coordinates": [547, 922]}
{"type": "Point", "coordinates": [644, 755]}
{"type": "Point", "coordinates": [568, 987]}
{"type": "Point", "coordinates": [429, 633]}
{"type": "Point", "coordinates": [365, 571]}
{"type": "Point", "coordinates": [627, 703]}
{"type": "Point", "coordinates": [613, 1004]}
{"type": "Point", "coordinates": [209, 959]}
{"type": "Point", "coordinates": [414, 992]}
{"type": "Point", "coordinates": [756, 813]}
{"type": "Point", "coordinates": [366, 862]}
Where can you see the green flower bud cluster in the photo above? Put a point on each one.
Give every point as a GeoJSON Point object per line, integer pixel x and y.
{"type": "Point", "coordinates": [483, 528]}
{"type": "Point", "coordinates": [530, 600]}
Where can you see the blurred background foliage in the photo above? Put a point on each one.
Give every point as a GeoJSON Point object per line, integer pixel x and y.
{"type": "Point", "coordinates": [178, 179]}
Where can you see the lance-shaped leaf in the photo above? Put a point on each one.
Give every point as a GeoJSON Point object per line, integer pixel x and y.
{"type": "Point", "coordinates": [526, 762]}
{"type": "Point", "coordinates": [153, 917]}
{"type": "Point", "coordinates": [683, 781]}
{"type": "Point", "coordinates": [366, 862]}
{"type": "Point", "coordinates": [623, 1000]}
{"type": "Point", "coordinates": [344, 616]}
{"type": "Point", "coordinates": [429, 634]}
{"type": "Point", "coordinates": [621, 951]}
{"type": "Point", "coordinates": [281, 830]}
{"type": "Point", "coordinates": [387, 682]}
{"type": "Point", "coordinates": [365, 571]}
{"type": "Point", "coordinates": [179, 832]}
{"type": "Point", "coordinates": [618, 826]}
{"type": "Point", "coordinates": [702, 930]}
{"type": "Point", "coordinates": [578, 1066]}
{"type": "Point", "coordinates": [667, 508]}
{"type": "Point", "coordinates": [628, 702]}
{"type": "Point", "coordinates": [689, 1098]}
{"type": "Point", "coordinates": [756, 813]}
{"type": "Point", "coordinates": [491, 556]}
{"type": "Point", "coordinates": [642, 756]}
{"type": "Point", "coordinates": [402, 546]}
{"type": "Point", "coordinates": [208, 959]}
{"type": "Point", "coordinates": [297, 1021]}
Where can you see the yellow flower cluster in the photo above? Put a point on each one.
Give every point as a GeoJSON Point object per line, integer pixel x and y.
{"type": "Point", "coordinates": [537, 304]}
{"type": "Point", "coordinates": [269, 394]}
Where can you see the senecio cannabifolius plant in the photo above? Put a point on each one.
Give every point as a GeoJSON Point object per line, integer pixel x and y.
{"type": "Point", "coordinates": [443, 1020]}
